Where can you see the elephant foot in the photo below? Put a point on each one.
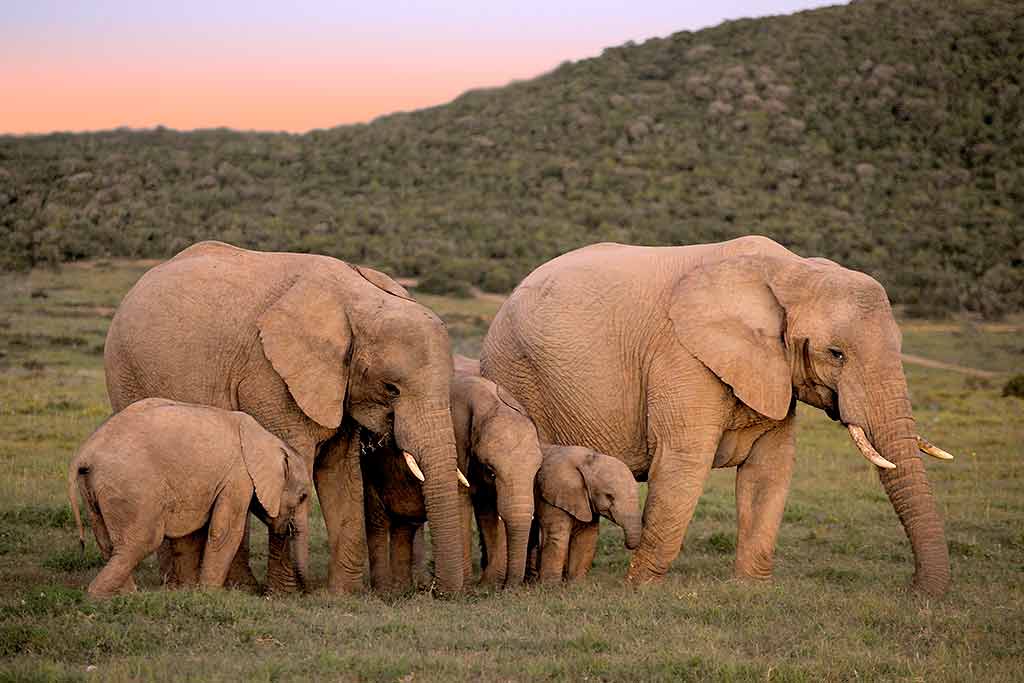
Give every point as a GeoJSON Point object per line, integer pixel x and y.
{"type": "Point", "coordinates": [240, 577]}
{"type": "Point", "coordinates": [642, 575]}
{"type": "Point", "coordinates": [348, 584]}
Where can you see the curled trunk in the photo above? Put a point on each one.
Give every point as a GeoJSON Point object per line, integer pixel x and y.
{"type": "Point", "coordinates": [299, 550]}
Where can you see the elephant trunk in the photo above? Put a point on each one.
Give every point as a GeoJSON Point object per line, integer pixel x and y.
{"type": "Point", "coordinates": [428, 435]}
{"type": "Point", "coordinates": [299, 549]}
{"type": "Point", "coordinates": [890, 428]}
{"type": "Point", "coordinates": [633, 526]}
{"type": "Point", "coordinates": [516, 509]}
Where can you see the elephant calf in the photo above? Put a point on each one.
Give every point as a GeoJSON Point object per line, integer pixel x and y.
{"type": "Point", "coordinates": [575, 487]}
{"type": "Point", "coordinates": [162, 469]}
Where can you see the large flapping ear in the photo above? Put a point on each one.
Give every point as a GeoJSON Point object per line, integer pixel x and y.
{"type": "Point", "coordinates": [383, 281]}
{"type": "Point", "coordinates": [562, 484]}
{"type": "Point", "coordinates": [726, 315]}
{"type": "Point", "coordinates": [265, 460]}
{"type": "Point", "coordinates": [307, 338]}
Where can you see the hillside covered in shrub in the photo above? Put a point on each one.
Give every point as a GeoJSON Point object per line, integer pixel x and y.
{"type": "Point", "coordinates": [885, 135]}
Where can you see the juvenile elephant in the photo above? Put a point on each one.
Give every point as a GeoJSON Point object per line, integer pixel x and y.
{"type": "Point", "coordinates": [500, 455]}
{"type": "Point", "coordinates": [575, 487]}
{"type": "Point", "coordinates": [162, 469]}
{"type": "Point", "coordinates": [680, 359]}
{"type": "Point", "coordinates": [314, 349]}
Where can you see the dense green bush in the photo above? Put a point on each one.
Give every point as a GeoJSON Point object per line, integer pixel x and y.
{"type": "Point", "coordinates": [884, 135]}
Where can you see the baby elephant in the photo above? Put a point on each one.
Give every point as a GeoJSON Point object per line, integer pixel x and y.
{"type": "Point", "coordinates": [160, 469]}
{"type": "Point", "coordinates": [575, 487]}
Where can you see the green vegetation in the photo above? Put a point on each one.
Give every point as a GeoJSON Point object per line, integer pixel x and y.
{"type": "Point", "coordinates": [837, 610]}
{"type": "Point", "coordinates": [885, 135]}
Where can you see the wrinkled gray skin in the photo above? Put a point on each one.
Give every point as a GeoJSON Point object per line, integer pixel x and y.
{"type": "Point", "coordinates": [500, 455]}
{"type": "Point", "coordinates": [680, 359]}
{"type": "Point", "coordinates": [575, 487]}
{"type": "Point", "coordinates": [161, 469]}
{"type": "Point", "coordinates": [313, 348]}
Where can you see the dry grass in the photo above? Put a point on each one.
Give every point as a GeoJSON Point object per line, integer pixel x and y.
{"type": "Point", "coordinates": [837, 610]}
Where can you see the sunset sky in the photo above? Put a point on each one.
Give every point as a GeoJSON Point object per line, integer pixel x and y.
{"type": "Point", "coordinates": [71, 65]}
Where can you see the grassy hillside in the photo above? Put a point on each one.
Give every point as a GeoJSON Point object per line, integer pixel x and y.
{"type": "Point", "coordinates": [885, 135]}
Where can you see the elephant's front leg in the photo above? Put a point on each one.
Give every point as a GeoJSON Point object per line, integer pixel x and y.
{"type": "Point", "coordinates": [762, 483]}
{"type": "Point", "coordinates": [677, 477]}
{"type": "Point", "coordinates": [228, 520]}
{"type": "Point", "coordinates": [556, 534]}
{"type": "Point", "coordinates": [339, 485]}
{"type": "Point", "coordinates": [582, 548]}
{"type": "Point", "coordinates": [492, 529]}
{"type": "Point", "coordinates": [378, 532]}
{"type": "Point", "coordinates": [180, 559]}
{"type": "Point", "coordinates": [402, 556]}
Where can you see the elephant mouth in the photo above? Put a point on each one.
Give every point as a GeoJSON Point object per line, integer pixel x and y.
{"type": "Point", "coordinates": [370, 441]}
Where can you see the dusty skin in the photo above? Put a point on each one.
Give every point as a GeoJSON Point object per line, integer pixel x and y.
{"type": "Point", "coordinates": [162, 469]}
{"type": "Point", "coordinates": [312, 348]}
{"type": "Point", "coordinates": [681, 359]}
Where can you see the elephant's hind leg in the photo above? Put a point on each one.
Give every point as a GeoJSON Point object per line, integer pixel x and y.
{"type": "Point", "coordinates": [128, 551]}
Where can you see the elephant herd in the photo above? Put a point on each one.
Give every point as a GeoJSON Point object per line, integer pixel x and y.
{"type": "Point", "coordinates": [240, 380]}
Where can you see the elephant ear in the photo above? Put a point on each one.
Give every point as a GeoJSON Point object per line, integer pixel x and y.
{"type": "Point", "coordinates": [307, 338]}
{"type": "Point", "coordinates": [562, 484]}
{"type": "Point", "coordinates": [383, 281]}
{"type": "Point", "coordinates": [511, 401]}
{"type": "Point", "coordinates": [726, 315]}
{"type": "Point", "coordinates": [266, 461]}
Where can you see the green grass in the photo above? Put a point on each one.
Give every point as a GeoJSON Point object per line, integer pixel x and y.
{"type": "Point", "coordinates": [838, 608]}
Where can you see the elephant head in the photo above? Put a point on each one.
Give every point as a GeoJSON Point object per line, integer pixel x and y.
{"type": "Point", "coordinates": [504, 457]}
{"type": "Point", "coordinates": [774, 326]}
{"type": "Point", "coordinates": [356, 344]}
{"type": "Point", "coordinates": [281, 485]}
{"type": "Point", "coordinates": [584, 482]}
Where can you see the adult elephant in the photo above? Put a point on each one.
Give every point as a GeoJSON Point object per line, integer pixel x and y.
{"type": "Point", "coordinates": [311, 347]}
{"type": "Point", "coordinates": [680, 359]}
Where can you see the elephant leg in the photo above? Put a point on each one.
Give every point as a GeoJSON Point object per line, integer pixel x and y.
{"type": "Point", "coordinates": [677, 478]}
{"type": "Point", "coordinates": [378, 530]}
{"type": "Point", "coordinates": [240, 573]}
{"type": "Point", "coordinates": [533, 553]}
{"type": "Point", "coordinates": [493, 531]}
{"type": "Point", "coordinates": [339, 485]}
{"type": "Point", "coordinates": [127, 551]}
{"type": "Point", "coordinates": [762, 484]}
{"type": "Point", "coordinates": [401, 556]}
{"type": "Point", "coordinates": [556, 530]}
{"type": "Point", "coordinates": [180, 559]}
{"type": "Point", "coordinates": [227, 526]}
{"type": "Point", "coordinates": [582, 548]}
{"type": "Point", "coordinates": [420, 572]}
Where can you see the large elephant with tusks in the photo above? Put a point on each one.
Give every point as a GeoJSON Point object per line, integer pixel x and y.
{"type": "Point", "coordinates": [680, 359]}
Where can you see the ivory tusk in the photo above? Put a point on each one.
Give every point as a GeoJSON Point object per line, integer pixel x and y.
{"type": "Point", "coordinates": [462, 478]}
{"type": "Point", "coordinates": [866, 449]}
{"type": "Point", "coordinates": [413, 467]}
{"type": "Point", "coordinates": [931, 449]}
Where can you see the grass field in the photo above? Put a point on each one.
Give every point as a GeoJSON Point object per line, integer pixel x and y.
{"type": "Point", "coordinates": [838, 609]}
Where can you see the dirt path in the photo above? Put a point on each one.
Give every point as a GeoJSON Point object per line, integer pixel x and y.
{"type": "Point", "coordinates": [939, 365]}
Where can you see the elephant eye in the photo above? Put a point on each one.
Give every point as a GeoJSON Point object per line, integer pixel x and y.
{"type": "Point", "coordinates": [392, 390]}
{"type": "Point", "coordinates": [837, 354]}
{"type": "Point", "coordinates": [303, 497]}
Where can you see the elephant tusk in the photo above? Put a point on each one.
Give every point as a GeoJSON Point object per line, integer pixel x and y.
{"type": "Point", "coordinates": [866, 449]}
{"type": "Point", "coordinates": [931, 449]}
{"type": "Point", "coordinates": [462, 478]}
{"type": "Point", "coordinates": [413, 467]}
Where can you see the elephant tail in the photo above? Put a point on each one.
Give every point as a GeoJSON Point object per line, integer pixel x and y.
{"type": "Point", "coordinates": [74, 473]}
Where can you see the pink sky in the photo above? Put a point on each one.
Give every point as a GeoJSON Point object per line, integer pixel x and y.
{"type": "Point", "coordinates": [267, 66]}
